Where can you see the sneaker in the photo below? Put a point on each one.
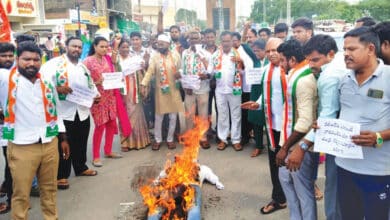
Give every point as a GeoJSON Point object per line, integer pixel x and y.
{"type": "Point", "coordinates": [35, 191]}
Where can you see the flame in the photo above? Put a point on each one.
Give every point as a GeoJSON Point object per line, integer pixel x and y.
{"type": "Point", "coordinates": [181, 173]}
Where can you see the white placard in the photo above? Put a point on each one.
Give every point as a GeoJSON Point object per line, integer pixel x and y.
{"type": "Point", "coordinates": [190, 82]}
{"type": "Point", "coordinates": [81, 95]}
{"type": "Point", "coordinates": [334, 137]}
{"type": "Point", "coordinates": [113, 80]}
{"type": "Point", "coordinates": [131, 65]}
{"type": "Point", "coordinates": [253, 76]}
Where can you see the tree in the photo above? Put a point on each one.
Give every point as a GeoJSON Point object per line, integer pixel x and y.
{"type": "Point", "coordinates": [188, 16]}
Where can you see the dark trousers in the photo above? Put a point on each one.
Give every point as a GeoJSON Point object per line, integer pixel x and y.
{"type": "Point", "coordinates": [246, 126]}
{"type": "Point", "coordinates": [259, 132]}
{"type": "Point", "coordinates": [77, 132]}
{"type": "Point", "coordinates": [7, 184]}
{"type": "Point", "coordinates": [363, 196]}
{"type": "Point", "coordinates": [210, 106]}
{"type": "Point", "coordinates": [277, 191]}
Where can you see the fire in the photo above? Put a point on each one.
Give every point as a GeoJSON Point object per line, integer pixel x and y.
{"type": "Point", "coordinates": [180, 175]}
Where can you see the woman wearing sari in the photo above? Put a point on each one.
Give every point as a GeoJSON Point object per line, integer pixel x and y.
{"type": "Point", "coordinates": [132, 65]}
{"type": "Point", "coordinates": [104, 113]}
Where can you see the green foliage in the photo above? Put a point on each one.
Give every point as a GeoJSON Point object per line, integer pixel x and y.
{"type": "Point", "coordinates": [320, 9]}
{"type": "Point", "coordinates": [188, 16]}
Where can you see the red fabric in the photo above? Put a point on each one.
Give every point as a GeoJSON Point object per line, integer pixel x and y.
{"type": "Point", "coordinates": [5, 28]}
{"type": "Point", "coordinates": [110, 128]}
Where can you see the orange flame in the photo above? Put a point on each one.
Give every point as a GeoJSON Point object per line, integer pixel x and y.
{"type": "Point", "coordinates": [182, 172]}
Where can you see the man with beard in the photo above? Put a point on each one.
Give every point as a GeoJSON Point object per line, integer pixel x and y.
{"type": "Point", "coordinates": [31, 133]}
{"type": "Point", "coordinates": [7, 60]}
{"type": "Point", "coordinates": [299, 113]}
{"type": "Point", "coordinates": [383, 31]}
{"type": "Point", "coordinates": [164, 66]}
{"type": "Point", "coordinates": [174, 31]}
{"type": "Point", "coordinates": [328, 66]}
{"type": "Point", "coordinates": [66, 71]}
{"type": "Point", "coordinates": [271, 102]}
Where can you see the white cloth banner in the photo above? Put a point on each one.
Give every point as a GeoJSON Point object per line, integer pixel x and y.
{"type": "Point", "coordinates": [334, 137]}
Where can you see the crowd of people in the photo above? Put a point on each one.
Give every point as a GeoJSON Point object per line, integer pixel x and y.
{"type": "Point", "coordinates": [303, 78]}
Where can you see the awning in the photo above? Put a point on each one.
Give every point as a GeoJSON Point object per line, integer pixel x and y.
{"type": "Point", "coordinates": [74, 27]}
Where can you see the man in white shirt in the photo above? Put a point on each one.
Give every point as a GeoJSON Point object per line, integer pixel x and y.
{"type": "Point", "coordinates": [195, 81]}
{"type": "Point", "coordinates": [225, 65]}
{"type": "Point", "coordinates": [31, 127]}
{"type": "Point", "coordinates": [66, 71]}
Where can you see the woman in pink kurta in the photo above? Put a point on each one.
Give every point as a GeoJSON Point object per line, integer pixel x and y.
{"type": "Point", "coordinates": [104, 112]}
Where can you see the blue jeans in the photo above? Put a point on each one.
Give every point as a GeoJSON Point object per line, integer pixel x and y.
{"type": "Point", "coordinates": [299, 189]}
{"type": "Point", "coordinates": [35, 182]}
{"type": "Point", "coordinates": [332, 206]}
{"type": "Point", "coordinates": [363, 196]}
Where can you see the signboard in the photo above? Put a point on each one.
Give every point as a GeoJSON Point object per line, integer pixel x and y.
{"type": "Point", "coordinates": [85, 17]}
{"type": "Point", "coordinates": [21, 8]}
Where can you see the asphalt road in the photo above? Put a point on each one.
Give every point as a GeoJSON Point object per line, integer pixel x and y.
{"type": "Point", "coordinates": [247, 186]}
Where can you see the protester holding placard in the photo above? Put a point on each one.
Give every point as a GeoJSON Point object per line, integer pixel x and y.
{"type": "Point", "coordinates": [104, 113]}
{"type": "Point", "coordinates": [299, 112]}
{"type": "Point", "coordinates": [139, 137]}
{"type": "Point", "coordinates": [328, 67]}
{"type": "Point", "coordinates": [363, 184]}
{"type": "Point", "coordinates": [194, 66]}
{"type": "Point", "coordinates": [164, 66]}
{"type": "Point", "coordinates": [66, 71]}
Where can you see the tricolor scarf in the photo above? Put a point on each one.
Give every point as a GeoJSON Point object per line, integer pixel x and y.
{"type": "Point", "coordinates": [217, 61]}
{"type": "Point", "coordinates": [267, 99]}
{"type": "Point", "coordinates": [192, 63]}
{"type": "Point", "coordinates": [164, 81]}
{"type": "Point", "coordinates": [289, 108]}
{"type": "Point", "coordinates": [49, 105]}
{"type": "Point", "coordinates": [62, 75]}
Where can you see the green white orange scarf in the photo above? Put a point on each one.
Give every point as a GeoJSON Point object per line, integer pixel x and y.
{"type": "Point", "coordinates": [62, 75]}
{"type": "Point", "coordinates": [192, 63]}
{"type": "Point", "coordinates": [217, 61]}
{"type": "Point", "coordinates": [289, 108]}
{"type": "Point", "coordinates": [164, 81]}
{"type": "Point", "coordinates": [267, 99]}
{"type": "Point", "coordinates": [49, 105]}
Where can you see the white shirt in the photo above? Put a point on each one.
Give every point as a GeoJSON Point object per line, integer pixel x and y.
{"type": "Point", "coordinates": [76, 74]}
{"type": "Point", "coordinates": [225, 83]}
{"type": "Point", "coordinates": [277, 99]}
{"type": "Point", "coordinates": [248, 63]}
{"type": "Point", "coordinates": [30, 121]}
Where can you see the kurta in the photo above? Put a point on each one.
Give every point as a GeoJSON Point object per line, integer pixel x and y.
{"type": "Point", "coordinates": [169, 102]}
{"type": "Point", "coordinates": [105, 110]}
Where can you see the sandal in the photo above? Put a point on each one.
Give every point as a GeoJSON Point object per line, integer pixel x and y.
{"type": "Point", "coordinates": [274, 207]}
{"type": "Point", "coordinates": [156, 146]}
{"type": "Point", "coordinates": [113, 155]}
{"type": "Point", "coordinates": [62, 184]}
{"type": "Point", "coordinates": [237, 147]}
{"type": "Point", "coordinates": [256, 152]}
{"type": "Point", "coordinates": [88, 172]}
{"type": "Point", "coordinates": [171, 145]}
{"type": "Point", "coordinates": [125, 149]}
{"type": "Point", "coordinates": [97, 163]}
{"type": "Point", "coordinates": [222, 145]}
{"type": "Point", "coordinates": [4, 208]}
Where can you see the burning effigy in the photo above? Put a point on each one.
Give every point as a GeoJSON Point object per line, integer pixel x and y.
{"type": "Point", "coordinates": [175, 193]}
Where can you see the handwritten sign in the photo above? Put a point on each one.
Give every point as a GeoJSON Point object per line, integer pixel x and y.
{"type": "Point", "coordinates": [334, 137]}
{"type": "Point", "coordinates": [81, 95]}
{"type": "Point", "coordinates": [113, 80]}
{"type": "Point", "coordinates": [130, 66]}
{"type": "Point", "coordinates": [190, 82]}
{"type": "Point", "coordinates": [253, 76]}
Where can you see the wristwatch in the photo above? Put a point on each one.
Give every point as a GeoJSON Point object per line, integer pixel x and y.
{"type": "Point", "coordinates": [379, 140]}
{"type": "Point", "coordinates": [303, 145]}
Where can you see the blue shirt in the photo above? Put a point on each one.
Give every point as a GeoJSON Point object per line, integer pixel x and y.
{"type": "Point", "coordinates": [328, 90]}
{"type": "Point", "coordinates": [372, 113]}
